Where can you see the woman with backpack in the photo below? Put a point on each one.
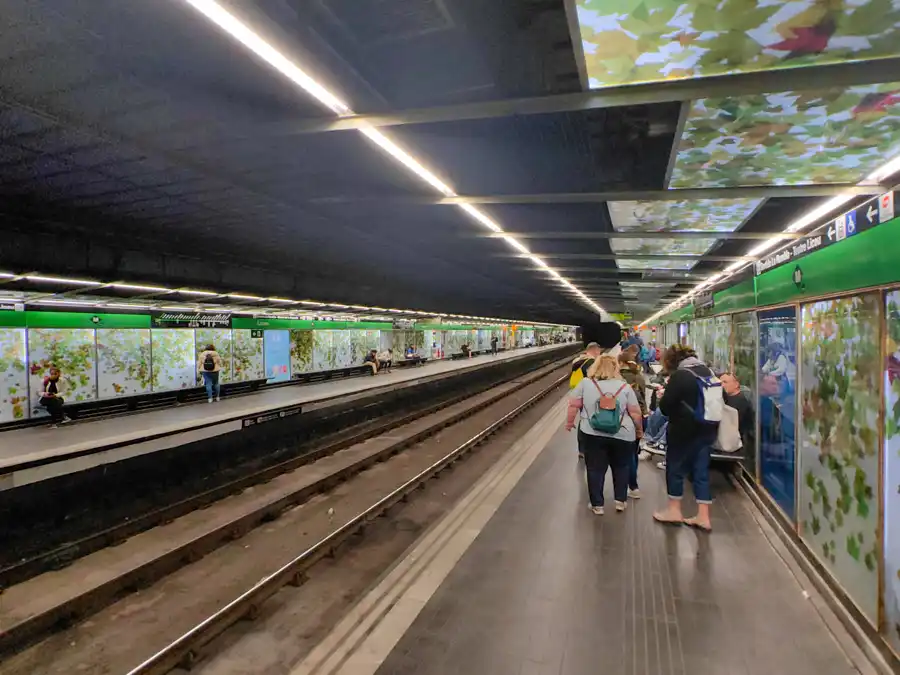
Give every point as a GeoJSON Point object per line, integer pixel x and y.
{"type": "Point", "coordinates": [609, 422]}
{"type": "Point", "coordinates": [209, 364]}
{"type": "Point", "coordinates": [689, 438]}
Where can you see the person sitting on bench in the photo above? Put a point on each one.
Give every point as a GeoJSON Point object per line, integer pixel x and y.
{"type": "Point", "coordinates": [371, 360]}
{"type": "Point", "coordinates": [465, 350]}
{"type": "Point", "coordinates": [386, 360]}
{"type": "Point", "coordinates": [51, 397]}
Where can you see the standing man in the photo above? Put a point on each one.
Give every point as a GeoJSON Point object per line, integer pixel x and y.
{"type": "Point", "coordinates": [494, 345]}
{"type": "Point", "coordinates": [209, 365]}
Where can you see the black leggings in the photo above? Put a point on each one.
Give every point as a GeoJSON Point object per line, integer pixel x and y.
{"type": "Point", "coordinates": [600, 454]}
{"type": "Point", "coordinates": [54, 406]}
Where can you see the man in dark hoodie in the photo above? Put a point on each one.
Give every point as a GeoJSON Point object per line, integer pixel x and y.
{"type": "Point", "coordinates": [688, 440]}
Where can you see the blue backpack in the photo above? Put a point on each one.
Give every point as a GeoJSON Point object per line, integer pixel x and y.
{"type": "Point", "coordinates": [644, 355]}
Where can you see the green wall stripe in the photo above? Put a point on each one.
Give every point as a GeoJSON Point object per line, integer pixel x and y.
{"type": "Point", "coordinates": [38, 319]}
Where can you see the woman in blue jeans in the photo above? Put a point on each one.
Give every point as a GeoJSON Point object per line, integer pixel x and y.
{"type": "Point", "coordinates": [688, 441]}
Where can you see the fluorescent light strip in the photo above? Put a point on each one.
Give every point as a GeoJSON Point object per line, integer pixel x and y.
{"type": "Point", "coordinates": [240, 31]}
{"type": "Point", "coordinates": [254, 298]}
{"type": "Point", "coordinates": [190, 291]}
{"type": "Point", "coordinates": [136, 287]}
{"type": "Point", "coordinates": [60, 280]}
{"type": "Point", "coordinates": [807, 219]}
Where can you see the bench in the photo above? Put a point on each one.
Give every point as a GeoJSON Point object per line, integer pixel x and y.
{"type": "Point", "coordinates": [324, 375]}
{"type": "Point", "coordinates": [410, 361]}
{"type": "Point", "coordinates": [108, 407]}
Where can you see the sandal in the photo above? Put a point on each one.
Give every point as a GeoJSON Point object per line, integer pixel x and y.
{"type": "Point", "coordinates": [698, 524]}
{"type": "Point", "coordinates": [663, 517]}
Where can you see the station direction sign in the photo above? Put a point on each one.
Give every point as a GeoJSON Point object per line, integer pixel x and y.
{"type": "Point", "coordinates": [865, 217]}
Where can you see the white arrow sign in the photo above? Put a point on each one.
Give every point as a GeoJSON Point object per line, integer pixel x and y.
{"type": "Point", "coordinates": [830, 234]}
{"type": "Point", "coordinates": [870, 214]}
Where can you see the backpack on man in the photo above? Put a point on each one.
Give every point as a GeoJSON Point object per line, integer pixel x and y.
{"type": "Point", "coordinates": [610, 412]}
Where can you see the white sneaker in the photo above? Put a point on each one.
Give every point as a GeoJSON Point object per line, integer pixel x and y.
{"type": "Point", "coordinates": [598, 510]}
{"type": "Point", "coordinates": [620, 506]}
{"type": "Point", "coordinates": [66, 420]}
{"type": "Point", "coordinates": [218, 399]}
{"type": "Point", "coordinates": [634, 494]}
{"type": "Point", "coordinates": [209, 401]}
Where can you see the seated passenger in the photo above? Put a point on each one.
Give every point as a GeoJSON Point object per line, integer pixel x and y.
{"type": "Point", "coordinates": [51, 397]}
{"type": "Point", "coordinates": [386, 360]}
{"type": "Point", "coordinates": [736, 398]}
{"type": "Point", "coordinates": [372, 361]}
{"type": "Point", "coordinates": [465, 350]}
{"type": "Point", "coordinates": [411, 352]}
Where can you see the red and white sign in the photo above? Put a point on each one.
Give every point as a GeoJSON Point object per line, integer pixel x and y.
{"type": "Point", "coordinates": [885, 207]}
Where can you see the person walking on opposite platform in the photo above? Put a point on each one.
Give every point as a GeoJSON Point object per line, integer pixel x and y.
{"type": "Point", "coordinates": [689, 441]}
{"type": "Point", "coordinates": [210, 365]}
{"type": "Point", "coordinates": [609, 420]}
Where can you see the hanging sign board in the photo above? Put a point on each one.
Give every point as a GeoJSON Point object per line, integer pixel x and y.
{"type": "Point", "coordinates": [865, 217]}
{"type": "Point", "coordinates": [190, 320]}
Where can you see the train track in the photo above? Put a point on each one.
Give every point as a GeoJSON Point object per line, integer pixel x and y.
{"type": "Point", "coordinates": [347, 460]}
{"type": "Point", "coordinates": [59, 556]}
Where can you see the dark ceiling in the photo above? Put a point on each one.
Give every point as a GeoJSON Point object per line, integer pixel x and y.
{"type": "Point", "coordinates": [139, 142]}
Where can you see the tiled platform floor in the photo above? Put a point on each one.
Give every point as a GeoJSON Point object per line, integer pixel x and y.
{"type": "Point", "coordinates": [549, 588]}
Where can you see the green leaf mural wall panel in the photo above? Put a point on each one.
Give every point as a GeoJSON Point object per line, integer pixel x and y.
{"type": "Point", "coordinates": [702, 339]}
{"type": "Point", "coordinates": [302, 351]}
{"type": "Point", "coordinates": [123, 362]}
{"type": "Point", "coordinates": [722, 342]}
{"type": "Point", "coordinates": [838, 458]}
{"type": "Point", "coordinates": [220, 338]}
{"type": "Point", "coordinates": [323, 350]}
{"type": "Point", "coordinates": [357, 346]}
{"type": "Point", "coordinates": [631, 41]}
{"type": "Point", "coordinates": [865, 260]}
{"type": "Point", "coordinates": [343, 357]}
{"type": "Point", "coordinates": [745, 368]}
{"type": "Point", "coordinates": [73, 351]}
{"type": "Point", "coordinates": [14, 403]}
{"type": "Point", "coordinates": [373, 339]}
{"type": "Point", "coordinates": [248, 362]}
{"type": "Point", "coordinates": [789, 138]}
{"type": "Point", "coordinates": [174, 359]}
{"type": "Point", "coordinates": [892, 471]}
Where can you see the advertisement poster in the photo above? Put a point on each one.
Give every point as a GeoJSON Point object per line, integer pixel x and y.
{"type": "Point", "coordinates": [777, 382]}
{"type": "Point", "coordinates": [278, 355]}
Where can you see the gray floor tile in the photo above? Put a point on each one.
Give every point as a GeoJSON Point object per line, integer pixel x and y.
{"type": "Point", "coordinates": [548, 588]}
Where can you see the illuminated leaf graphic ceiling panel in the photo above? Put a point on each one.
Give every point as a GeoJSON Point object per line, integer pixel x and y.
{"type": "Point", "coordinates": [833, 136]}
{"type": "Point", "coordinates": [630, 41]}
{"type": "Point", "coordinates": [708, 215]}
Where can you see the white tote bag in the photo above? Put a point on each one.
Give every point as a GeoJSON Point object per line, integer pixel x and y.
{"type": "Point", "coordinates": [729, 436]}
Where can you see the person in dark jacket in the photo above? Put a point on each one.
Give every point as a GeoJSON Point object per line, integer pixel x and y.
{"type": "Point", "coordinates": [735, 398]}
{"type": "Point", "coordinates": [688, 440]}
{"type": "Point", "coordinates": [632, 374]}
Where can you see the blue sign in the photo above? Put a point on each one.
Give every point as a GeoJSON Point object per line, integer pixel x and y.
{"type": "Point", "coordinates": [851, 223]}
